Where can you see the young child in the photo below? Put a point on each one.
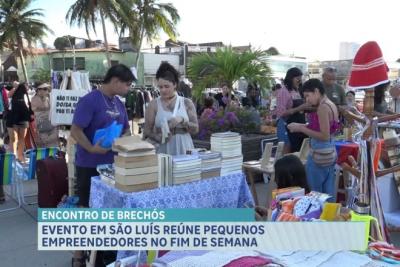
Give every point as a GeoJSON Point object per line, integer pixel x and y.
{"type": "Point", "coordinates": [289, 171]}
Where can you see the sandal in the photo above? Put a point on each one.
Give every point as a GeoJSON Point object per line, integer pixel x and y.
{"type": "Point", "coordinates": [78, 262]}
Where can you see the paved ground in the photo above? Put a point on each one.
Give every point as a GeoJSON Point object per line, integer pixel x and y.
{"type": "Point", "coordinates": [18, 235]}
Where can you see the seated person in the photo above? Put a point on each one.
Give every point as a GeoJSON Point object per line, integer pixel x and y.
{"type": "Point", "coordinates": [289, 171]}
{"type": "Point", "coordinates": [208, 108]}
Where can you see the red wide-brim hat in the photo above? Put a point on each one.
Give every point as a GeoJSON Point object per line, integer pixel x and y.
{"type": "Point", "coordinates": [369, 68]}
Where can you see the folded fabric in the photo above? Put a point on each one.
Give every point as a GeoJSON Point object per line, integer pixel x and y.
{"type": "Point", "coordinates": [249, 261]}
{"type": "Point", "coordinates": [107, 135]}
{"type": "Point", "coordinates": [305, 205]}
{"type": "Point", "coordinates": [288, 192]}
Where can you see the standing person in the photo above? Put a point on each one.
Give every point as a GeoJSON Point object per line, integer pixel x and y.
{"type": "Point", "coordinates": [225, 98]}
{"type": "Point", "coordinates": [253, 95]}
{"type": "Point", "coordinates": [17, 121]}
{"type": "Point", "coordinates": [170, 119]}
{"type": "Point", "coordinates": [334, 91]}
{"type": "Point", "coordinates": [47, 133]}
{"type": "Point", "coordinates": [12, 90]}
{"type": "Point", "coordinates": [96, 110]}
{"type": "Point", "coordinates": [323, 124]}
{"type": "Point", "coordinates": [3, 112]}
{"type": "Point", "coordinates": [288, 104]}
{"type": "Point", "coordinates": [381, 107]}
{"type": "Point", "coordinates": [351, 102]}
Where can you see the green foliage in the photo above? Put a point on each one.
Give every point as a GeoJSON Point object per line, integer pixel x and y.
{"type": "Point", "coordinates": [18, 23]}
{"type": "Point", "coordinates": [147, 19]}
{"type": "Point", "coordinates": [272, 51]}
{"type": "Point", "coordinates": [62, 43]}
{"type": "Point", "coordinates": [86, 13]}
{"type": "Point", "coordinates": [41, 75]}
{"type": "Point", "coordinates": [241, 120]}
{"type": "Point", "coordinates": [225, 65]}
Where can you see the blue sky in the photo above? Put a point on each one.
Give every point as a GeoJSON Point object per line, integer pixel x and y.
{"type": "Point", "coordinates": [310, 28]}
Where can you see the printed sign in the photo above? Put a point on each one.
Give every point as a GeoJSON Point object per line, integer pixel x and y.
{"type": "Point", "coordinates": [63, 104]}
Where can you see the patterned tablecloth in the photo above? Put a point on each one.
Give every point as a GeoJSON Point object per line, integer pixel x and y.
{"type": "Point", "coordinates": [229, 191]}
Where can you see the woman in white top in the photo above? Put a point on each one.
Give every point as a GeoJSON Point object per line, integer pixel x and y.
{"type": "Point", "coordinates": [170, 119]}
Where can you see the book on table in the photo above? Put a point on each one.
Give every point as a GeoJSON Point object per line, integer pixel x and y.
{"type": "Point", "coordinates": [136, 179]}
{"type": "Point", "coordinates": [135, 171]}
{"type": "Point", "coordinates": [136, 187]}
{"type": "Point", "coordinates": [137, 153]}
{"type": "Point", "coordinates": [135, 162]}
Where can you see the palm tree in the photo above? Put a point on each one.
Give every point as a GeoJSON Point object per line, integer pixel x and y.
{"type": "Point", "coordinates": [19, 23]}
{"type": "Point", "coordinates": [228, 66]}
{"type": "Point", "coordinates": [147, 18]}
{"type": "Point", "coordinates": [88, 12]}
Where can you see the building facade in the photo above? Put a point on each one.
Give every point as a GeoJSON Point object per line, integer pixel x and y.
{"type": "Point", "coordinates": [280, 65]}
{"type": "Point", "coordinates": [347, 50]}
{"type": "Point", "coordinates": [92, 60]}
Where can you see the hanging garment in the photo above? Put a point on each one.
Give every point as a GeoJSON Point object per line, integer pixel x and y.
{"type": "Point", "coordinates": [130, 104]}
{"type": "Point", "coordinates": [139, 106]}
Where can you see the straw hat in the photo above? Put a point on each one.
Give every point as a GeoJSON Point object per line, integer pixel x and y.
{"type": "Point", "coordinates": [43, 85]}
{"type": "Point", "coordinates": [368, 69]}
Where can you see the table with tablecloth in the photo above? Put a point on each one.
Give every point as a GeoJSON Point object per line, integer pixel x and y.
{"type": "Point", "coordinates": [229, 191]}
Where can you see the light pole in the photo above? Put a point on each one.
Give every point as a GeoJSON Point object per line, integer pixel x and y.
{"type": "Point", "coordinates": [185, 45]}
{"type": "Point", "coordinates": [73, 52]}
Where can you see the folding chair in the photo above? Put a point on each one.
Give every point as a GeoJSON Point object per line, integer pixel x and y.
{"type": "Point", "coordinates": [304, 150]}
{"type": "Point", "coordinates": [29, 170]}
{"type": "Point", "coordinates": [8, 178]}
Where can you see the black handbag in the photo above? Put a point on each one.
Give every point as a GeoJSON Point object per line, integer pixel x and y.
{"type": "Point", "coordinates": [31, 113]}
{"type": "Point", "coordinates": [296, 139]}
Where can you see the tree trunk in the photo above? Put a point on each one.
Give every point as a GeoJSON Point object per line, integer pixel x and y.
{"type": "Point", "coordinates": [105, 40]}
{"type": "Point", "coordinates": [139, 46]}
{"type": "Point", "coordinates": [21, 56]}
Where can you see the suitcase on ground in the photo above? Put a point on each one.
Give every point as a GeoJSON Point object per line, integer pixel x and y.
{"type": "Point", "coordinates": [52, 176]}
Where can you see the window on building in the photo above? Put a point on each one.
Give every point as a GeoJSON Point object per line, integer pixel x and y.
{"type": "Point", "coordinates": [58, 63]}
{"type": "Point", "coordinates": [114, 62]}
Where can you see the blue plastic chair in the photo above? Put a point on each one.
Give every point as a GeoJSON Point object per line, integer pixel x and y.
{"type": "Point", "coordinates": [9, 179]}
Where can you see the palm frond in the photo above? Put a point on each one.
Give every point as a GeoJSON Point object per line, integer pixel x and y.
{"type": "Point", "coordinates": [226, 65]}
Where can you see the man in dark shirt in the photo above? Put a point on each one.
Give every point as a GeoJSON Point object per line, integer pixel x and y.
{"type": "Point", "coordinates": [333, 91]}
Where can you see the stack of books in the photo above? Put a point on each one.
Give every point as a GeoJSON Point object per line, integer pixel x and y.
{"type": "Point", "coordinates": [136, 165]}
{"type": "Point", "coordinates": [185, 168]}
{"type": "Point", "coordinates": [210, 164]}
{"type": "Point", "coordinates": [229, 144]}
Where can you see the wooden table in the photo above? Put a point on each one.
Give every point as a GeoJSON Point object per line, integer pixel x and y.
{"type": "Point", "coordinates": [250, 168]}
